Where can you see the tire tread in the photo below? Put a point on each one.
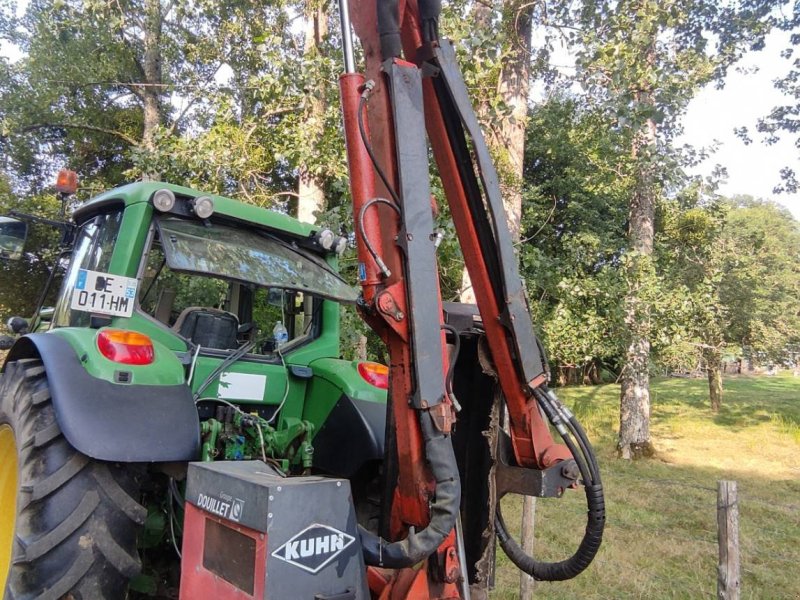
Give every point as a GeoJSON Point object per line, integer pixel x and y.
{"type": "Point", "coordinates": [51, 539]}
{"type": "Point", "coordinates": [90, 551]}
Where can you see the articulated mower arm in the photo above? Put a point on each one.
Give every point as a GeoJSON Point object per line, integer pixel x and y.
{"type": "Point", "coordinates": [411, 86]}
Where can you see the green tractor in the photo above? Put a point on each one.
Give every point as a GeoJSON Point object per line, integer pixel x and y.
{"type": "Point", "coordinates": [188, 327]}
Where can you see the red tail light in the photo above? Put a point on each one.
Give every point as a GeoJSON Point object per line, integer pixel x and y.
{"type": "Point", "coordinates": [126, 347]}
{"type": "Point", "coordinates": [375, 374]}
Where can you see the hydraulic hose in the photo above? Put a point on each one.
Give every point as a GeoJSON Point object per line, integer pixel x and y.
{"type": "Point", "coordinates": [389, 28]}
{"type": "Point", "coordinates": [429, 11]}
{"type": "Point", "coordinates": [566, 424]}
{"type": "Point", "coordinates": [444, 510]}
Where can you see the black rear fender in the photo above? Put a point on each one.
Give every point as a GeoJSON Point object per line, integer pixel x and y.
{"type": "Point", "coordinates": [110, 421]}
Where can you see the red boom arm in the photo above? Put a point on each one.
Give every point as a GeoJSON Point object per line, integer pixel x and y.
{"type": "Point", "coordinates": [386, 113]}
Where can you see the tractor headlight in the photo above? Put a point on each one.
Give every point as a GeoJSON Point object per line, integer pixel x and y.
{"type": "Point", "coordinates": [164, 200]}
{"type": "Point", "coordinates": [341, 245]}
{"type": "Point", "coordinates": [326, 239]}
{"type": "Point", "coordinates": [203, 207]}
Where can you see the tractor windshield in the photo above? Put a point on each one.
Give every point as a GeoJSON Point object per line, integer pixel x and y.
{"type": "Point", "coordinates": [246, 256]}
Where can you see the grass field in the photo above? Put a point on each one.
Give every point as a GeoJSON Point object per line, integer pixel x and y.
{"type": "Point", "coordinates": [660, 539]}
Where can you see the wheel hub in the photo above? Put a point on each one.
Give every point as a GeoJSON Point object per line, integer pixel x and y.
{"type": "Point", "coordinates": [8, 499]}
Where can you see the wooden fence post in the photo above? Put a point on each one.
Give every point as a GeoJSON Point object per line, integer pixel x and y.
{"type": "Point", "coordinates": [526, 582]}
{"type": "Point", "coordinates": [728, 577]}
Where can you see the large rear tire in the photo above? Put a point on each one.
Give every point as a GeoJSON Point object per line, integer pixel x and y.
{"type": "Point", "coordinates": [72, 526]}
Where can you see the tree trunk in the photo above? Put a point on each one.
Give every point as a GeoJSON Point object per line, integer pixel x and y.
{"type": "Point", "coordinates": [361, 348]}
{"type": "Point", "coordinates": [634, 421]}
{"type": "Point", "coordinates": [714, 370]}
{"type": "Point", "coordinates": [594, 374]}
{"type": "Point", "coordinates": [715, 387]}
{"type": "Point", "coordinates": [152, 78]}
{"type": "Point", "coordinates": [634, 415]}
{"type": "Point", "coordinates": [514, 87]}
{"type": "Point", "coordinates": [310, 187]}
{"type": "Point", "coordinates": [507, 138]}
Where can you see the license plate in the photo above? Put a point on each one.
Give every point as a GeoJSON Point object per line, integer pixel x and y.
{"type": "Point", "coordinates": [104, 294]}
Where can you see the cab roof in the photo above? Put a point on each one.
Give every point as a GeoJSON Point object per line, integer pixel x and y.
{"type": "Point", "coordinates": [142, 192]}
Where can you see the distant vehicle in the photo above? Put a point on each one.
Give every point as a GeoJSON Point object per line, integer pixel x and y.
{"type": "Point", "coordinates": [12, 238]}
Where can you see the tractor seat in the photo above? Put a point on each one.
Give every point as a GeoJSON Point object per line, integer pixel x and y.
{"type": "Point", "coordinates": [208, 327]}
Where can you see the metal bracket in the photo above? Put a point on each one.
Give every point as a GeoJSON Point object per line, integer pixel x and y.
{"type": "Point", "coordinates": [547, 483]}
{"type": "Point", "coordinates": [387, 305]}
{"type": "Point", "coordinates": [489, 217]}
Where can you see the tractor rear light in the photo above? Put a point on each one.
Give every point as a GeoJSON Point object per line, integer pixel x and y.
{"type": "Point", "coordinates": [375, 374]}
{"type": "Point", "coordinates": [126, 347]}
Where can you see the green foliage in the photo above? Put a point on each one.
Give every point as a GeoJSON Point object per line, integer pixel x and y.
{"type": "Point", "coordinates": [785, 117]}
{"type": "Point", "coordinates": [760, 284]}
{"type": "Point", "coordinates": [573, 231]}
{"type": "Point", "coordinates": [63, 102]}
{"type": "Point", "coordinates": [730, 268]}
{"type": "Point", "coordinates": [639, 63]}
{"type": "Point", "coordinates": [647, 59]}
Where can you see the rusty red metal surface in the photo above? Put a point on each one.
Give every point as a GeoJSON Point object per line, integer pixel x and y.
{"type": "Point", "coordinates": [386, 310]}
{"type": "Point", "coordinates": [197, 581]}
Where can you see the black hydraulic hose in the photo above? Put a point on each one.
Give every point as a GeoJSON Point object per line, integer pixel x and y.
{"type": "Point", "coordinates": [565, 569]}
{"type": "Point", "coordinates": [570, 422]}
{"type": "Point", "coordinates": [429, 11]}
{"type": "Point", "coordinates": [389, 28]}
{"type": "Point", "coordinates": [444, 510]}
{"type": "Point", "coordinates": [593, 535]}
{"type": "Point", "coordinates": [543, 354]}
{"type": "Point", "coordinates": [557, 420]}
{"type": "Point", "coordinates": [580, 435]}
{"type": "Point", "coordinates": [363, 232]}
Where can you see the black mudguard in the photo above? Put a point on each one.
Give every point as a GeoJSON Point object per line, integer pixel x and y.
{"type": "Point", "coordinates": [109, 421]}
{"type": "Point", "coordinates": [352, 435]}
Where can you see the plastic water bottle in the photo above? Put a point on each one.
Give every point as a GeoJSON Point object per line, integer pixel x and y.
{"type": "Point", "coordinates": [279, 334]}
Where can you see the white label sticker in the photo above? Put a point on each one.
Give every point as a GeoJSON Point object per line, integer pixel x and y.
{"type": "Point", "coordinates": [241, 386]}
{"type": "Point", "coordinates": [104, 293]}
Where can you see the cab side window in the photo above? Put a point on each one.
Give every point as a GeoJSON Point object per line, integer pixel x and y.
{"type": "Point", "coordinates": [94, 245]}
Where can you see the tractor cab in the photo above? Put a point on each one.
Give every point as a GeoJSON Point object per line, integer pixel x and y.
{"type": "Point", "coordinates": [218, 284]}
{"type": "Point", "coordinates": [180, 327]}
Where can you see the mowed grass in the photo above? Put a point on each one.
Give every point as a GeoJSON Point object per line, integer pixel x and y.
{"type": "Point", "coordinates": [661, 532]}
